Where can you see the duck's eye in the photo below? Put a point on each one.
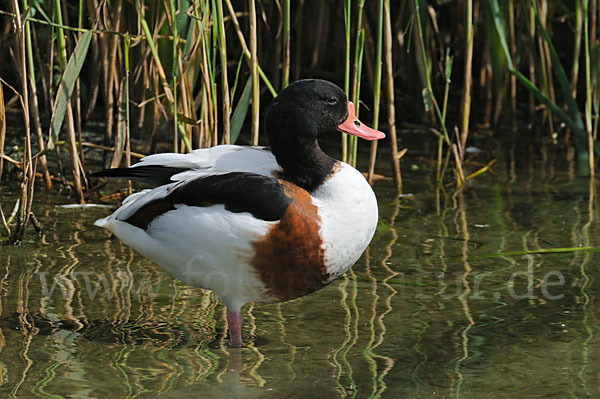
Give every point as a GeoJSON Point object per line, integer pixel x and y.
{"type": "Point", "coordinates": [332, 100]}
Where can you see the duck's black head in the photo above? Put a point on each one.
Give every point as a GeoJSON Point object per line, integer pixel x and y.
{"type": "Point", "coordinates": [301, 112]}
{"type": "Point", "coordinates": [305, 109]}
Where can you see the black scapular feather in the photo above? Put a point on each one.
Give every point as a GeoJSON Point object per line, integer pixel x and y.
{"type": "Point", "coordinates": [154, 175]}
{"type": "Point", "coordinates": [261, 196]}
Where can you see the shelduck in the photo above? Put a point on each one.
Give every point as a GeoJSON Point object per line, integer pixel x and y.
{"type": "Point", "coordinates": [253, 223]}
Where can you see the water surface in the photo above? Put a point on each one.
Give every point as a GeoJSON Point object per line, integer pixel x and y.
{"type": "Point", "coordinates": [431, 310]}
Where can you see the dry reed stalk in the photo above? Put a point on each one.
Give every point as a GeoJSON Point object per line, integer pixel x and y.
{"type": "Point", "coordinates": [27, 184]}
{"type": "Point", "coordinates": [391, 107]}
{"type": "Point", "coordinates": [187, 105]}
{"type": "Point", "coordinates": [460, 177]}
{"type": "Point", "coordinates": [532, 62]}
{"type": "Point", "coordinates": [78, 100]}
{"type": "Point", "coordinates": [79, 123]}
{"type": "Point", "coordinates": [348, 28]}
{"type": "Point", "coordinates": [588, 116]}
{"type": "Point", "coordinates": [76, 166]}
{"type": "Point", "coordinates": [357, 79]}
{"type": "Point", "coordinates": [224, 80]}
{"type": "Point", "coordinates": [141, 113]}
{"type": "Point", "coordinates": [34, 104]}
{"type": "Point", "coordinates": [126, 48]}
{"type": "Point", "coordinates": [202, 139]}
{"type": "Point", "coordinates": [546, 60]}
{"type": "Point", "coordinates": [2, 129]}
{"type": "Point", "coordinates": [110, 66]}
{"type": "Point", "coordinates": [468, 72]}
{"type": "Point", "coordinates": [513, 53]}
{"type": "Point", "coordinates": [596, 42]}
{"type": "Point", "coordinates": [576, 47]}
{"type": "Point", "coordinates": [207, 101]}
{"type": "Point", "coordinates": [376, 92]}
{"type": "Point", "coordinates": [356, 75]}
{"type": "Point", "coordinates": [285, 73]}
{"type": "Point", "coordinates": [198, 129]}
{"type": "Point", "coordinates": [156, 111]}
{"type": "Point", "coordinates": [172, 24]}
{"type": "Point", "coordinates": [254, 73]}
{"type": "Point", "coordinates": [119, 141]}
{"type": "Point", "coordinates": [215, 136]}
{"type": "Point", "coordinates": [40, 140]}
{"type": "Point", "coordinates": [94, 83]}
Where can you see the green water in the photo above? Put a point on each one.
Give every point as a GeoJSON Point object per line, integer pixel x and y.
{"type": "Point", "coordinates": [427, 312]}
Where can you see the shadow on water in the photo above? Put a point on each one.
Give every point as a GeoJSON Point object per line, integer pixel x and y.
{"type": "Point", "coordinates": [455, 297]}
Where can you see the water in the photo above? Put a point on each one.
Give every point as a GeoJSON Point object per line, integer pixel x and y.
{"type": "Point", "coordinates": [429, 311]}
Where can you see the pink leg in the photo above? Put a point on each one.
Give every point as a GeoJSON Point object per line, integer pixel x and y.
{"type": "Point", "coordinates": [234, 324]}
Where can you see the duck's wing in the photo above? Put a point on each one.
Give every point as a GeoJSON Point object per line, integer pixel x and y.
{"type": "Point", "coordinates": [261, 196]}
{"type": "Point", "coordinates": [160, 169]}
{"type": "Point", "coordinates": [204, 230]}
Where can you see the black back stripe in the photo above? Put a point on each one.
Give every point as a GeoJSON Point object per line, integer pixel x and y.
{"type": "Point", "coordinates": [261, 196]}
{"type": "Point", "coordinates": [155, 175]}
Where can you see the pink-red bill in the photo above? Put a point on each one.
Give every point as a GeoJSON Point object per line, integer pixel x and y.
{"type": "Point", "coordinates": [356, 128]}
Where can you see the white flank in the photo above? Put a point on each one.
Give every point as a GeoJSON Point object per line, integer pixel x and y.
{"type": "Point", "coordinates": [202, 246]}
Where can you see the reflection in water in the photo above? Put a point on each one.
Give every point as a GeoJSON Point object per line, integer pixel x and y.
{"type": "Point", "coordinates": [435, 308]}
{"type": "Point", "coordinates": [463, 227]}
{"type": "Point", "coordinates": [586, 281]}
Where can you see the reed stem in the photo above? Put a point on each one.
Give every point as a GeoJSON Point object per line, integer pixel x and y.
{"type": "Point", "coordinates": [34, 103]}
{"type": "Point", "coordinates": [357, 75]}
{"type": "Point", "coordinates": [376, 91]}
{"type": "Point", "coordinates": [347, 25]}
{"type": "Point", "coordinates": [76, 166]}
{"type": "Point", "coordinates": [254, 73]}
{"type": "Point", "coordinates": [174, 73]}
{"type": "Point", "coordinates": [285, 73]}
{"type": "Point", "coordinates": [578, 14]}
{"type": "Point", "coordinates": [391, 107]}
{"type": "Point", "coordinates": [28, 180]}
{"type": "Point", "coordinates": [588, 91]}
{"type": "Point", "coordinates": [466, 95]}
{"type": "Point", "coordinates": [126, 47]}
{"type": "Point", "coordinates": [2, 130]}
{"type": "Point", "coordinates": [196, 96]}
{"type": "Point", "coordinates": [353, 140]}
{"type": "Point", "coordinates": [224, 80]}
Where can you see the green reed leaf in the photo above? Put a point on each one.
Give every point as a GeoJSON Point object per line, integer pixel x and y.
{"type": "Point", "coordinates": [67, 84]}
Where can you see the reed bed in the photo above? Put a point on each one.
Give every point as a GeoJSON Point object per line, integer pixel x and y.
{"type": "Point", "coordinates": [180, 75]}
